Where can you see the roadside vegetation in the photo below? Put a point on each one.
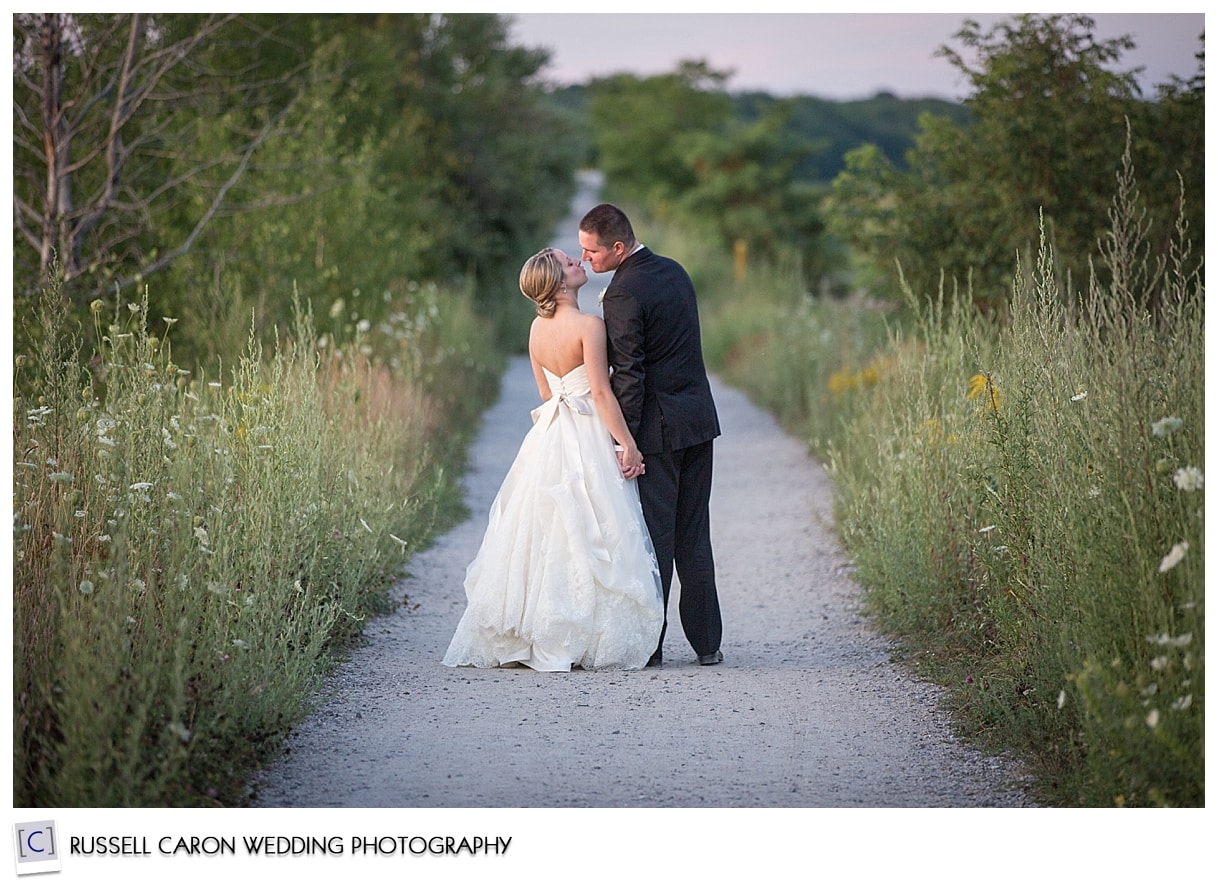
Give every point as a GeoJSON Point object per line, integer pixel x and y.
{"type": "Point", "coordinates": [192, 550]}
{"type": "Point", "coordinates": [1022, 499]}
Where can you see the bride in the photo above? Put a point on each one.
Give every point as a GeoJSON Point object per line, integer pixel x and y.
{"type": "Point", "coordinates": [566, 575]}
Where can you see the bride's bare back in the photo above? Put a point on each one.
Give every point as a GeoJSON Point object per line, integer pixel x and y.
{"type": "Point", "coordinates": [558, 343]}
{"type": "Point", "coordinates": [561, 343]}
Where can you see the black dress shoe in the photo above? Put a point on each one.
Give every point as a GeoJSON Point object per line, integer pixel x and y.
{"type": "Point", "coordinates": [656, 659]}
{"type": "Point", "coordinates": [712, 658]}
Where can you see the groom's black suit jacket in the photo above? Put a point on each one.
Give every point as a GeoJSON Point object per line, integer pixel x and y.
{"type": "Point", "coordinates": [655, 350]}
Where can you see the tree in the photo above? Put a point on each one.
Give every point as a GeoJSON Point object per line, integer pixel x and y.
{"type": "Point", "coordinates": [107, 111]}
{"type": "Point", "coordinates": [638, 125]}
{"type": "Point", "coordinates": [1049, 132]}
{"type": "Point", "coordinates": [268, 154]}
{"type": "Point", "coordinates": [744, 187]}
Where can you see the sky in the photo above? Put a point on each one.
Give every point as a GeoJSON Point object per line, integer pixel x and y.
{"type": "Point", "coordinates": [838, 56]}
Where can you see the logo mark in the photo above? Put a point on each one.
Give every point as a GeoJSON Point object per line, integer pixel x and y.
{"type": "Point", "coordinates": [36, 847]}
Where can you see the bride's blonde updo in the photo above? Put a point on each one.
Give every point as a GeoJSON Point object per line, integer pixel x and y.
{"type": "Point", "coordinates": [541, 279]}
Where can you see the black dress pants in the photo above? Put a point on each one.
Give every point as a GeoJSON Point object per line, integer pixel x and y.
{"type": "Point", "coordinates": [675, 494]}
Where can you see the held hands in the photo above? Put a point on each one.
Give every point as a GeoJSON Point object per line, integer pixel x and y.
{"type": "Point", "coordinates": [630, 460]}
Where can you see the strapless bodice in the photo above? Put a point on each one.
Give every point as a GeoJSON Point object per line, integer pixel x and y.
{"type": "Point", "coordinates": [573, 383]}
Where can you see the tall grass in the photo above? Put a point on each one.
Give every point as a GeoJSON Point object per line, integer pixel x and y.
{"type": "Point", "coordinates": [191, 552]}
{"type": "Point", "coordinates": [1023, 502]}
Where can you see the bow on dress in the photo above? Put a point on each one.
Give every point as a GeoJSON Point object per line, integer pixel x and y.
{"type": "Point", "coordinates": [562, 405]}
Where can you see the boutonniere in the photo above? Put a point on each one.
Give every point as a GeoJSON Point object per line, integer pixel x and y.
{"type": "Point", "coordinates": [601, 297]}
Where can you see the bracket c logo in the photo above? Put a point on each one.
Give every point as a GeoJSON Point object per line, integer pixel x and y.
{"type": "Point", "coordinates": [36, 847]}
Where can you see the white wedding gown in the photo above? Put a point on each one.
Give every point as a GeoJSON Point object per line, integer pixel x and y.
{"type": "Point", "coordinates": [566, 575]}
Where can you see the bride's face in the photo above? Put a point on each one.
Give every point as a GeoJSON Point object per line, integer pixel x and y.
{"type": "Point", "coordinates": [573, 275]}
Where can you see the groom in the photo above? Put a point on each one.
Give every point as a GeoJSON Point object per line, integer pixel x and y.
{"type": "Point", "coordinates": [655, 351]}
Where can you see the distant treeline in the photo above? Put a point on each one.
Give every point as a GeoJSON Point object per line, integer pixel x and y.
{"type": "Point", "coordinates": [832, 128]}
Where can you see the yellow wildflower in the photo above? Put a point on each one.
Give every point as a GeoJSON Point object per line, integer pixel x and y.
{"type": "Point", "coordinates": [983, 384]}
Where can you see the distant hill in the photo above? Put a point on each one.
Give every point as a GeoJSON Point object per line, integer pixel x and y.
{"type": "Point", "coordinates": [835, 127]}
{"type": "Point", "coordinates": [885, 120]}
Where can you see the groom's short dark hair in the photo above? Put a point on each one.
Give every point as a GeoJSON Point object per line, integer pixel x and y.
{"type": "Point", "coordinates": [609, 224]}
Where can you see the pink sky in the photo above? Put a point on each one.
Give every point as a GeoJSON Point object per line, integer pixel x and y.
{"type": "Point", "coordinates": [837, 56]}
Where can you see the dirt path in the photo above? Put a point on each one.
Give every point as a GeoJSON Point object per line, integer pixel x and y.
{"type": "Point", "coordinates": [806, 710]}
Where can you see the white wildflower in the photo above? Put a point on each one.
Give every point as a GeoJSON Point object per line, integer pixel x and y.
{"type": "Point", "coordinates": [1061, 699]}
{"type": "Point", "coordinates": [1093, 492]}
{"type": "Point", "coordinates": [60, 477]}
{"type": "Point", "coordinates": [1159, 662]}
{"type": "Point", "coordinates": [1166, 426]}
{"type": "Point", "coordinates": [86, 587]}
{"type": "Point", "coordinates": [141, 486]}
{"type": "Point", "coordinates": [181, 731]}
{"type": "Point", "coordinates": [1182, 703]}
{"type": "Point", "coordinates": [1079, 396]}
{"type": "Point", "coordinates": [1168, 640]}
{"type": "Point", "coordinates": [1189, 478]}
{"type": "Point", "coordinates": [1152, 718]}
{"type": "Point", "coordinates": [1173, 557]}
{"type": "Point", "coordinates": [240, 644]}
